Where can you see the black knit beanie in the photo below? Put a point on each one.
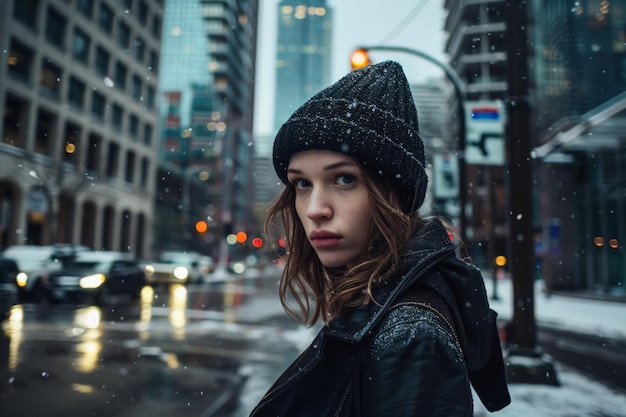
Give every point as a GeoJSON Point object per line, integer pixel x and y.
{"type": "Point", "coordinates": [369, 114]}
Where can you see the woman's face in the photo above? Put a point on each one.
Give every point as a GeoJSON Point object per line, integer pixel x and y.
{"type": "Point", "coordinates": [332, 202]}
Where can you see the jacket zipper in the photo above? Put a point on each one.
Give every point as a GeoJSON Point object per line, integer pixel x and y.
{"type": "Point", "coordinates": [439, 313]}
{"type": "Point", "coordinates": [345, 394]}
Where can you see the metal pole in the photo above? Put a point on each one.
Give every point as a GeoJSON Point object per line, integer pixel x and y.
{"type": "Point", "coordinates": [522, 330]}
{"type": "Point", "coordinates": [519, 166]}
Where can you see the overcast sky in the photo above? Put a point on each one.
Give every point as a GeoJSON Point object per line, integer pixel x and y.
{"type": "Point", "coordinates": [416, 24]}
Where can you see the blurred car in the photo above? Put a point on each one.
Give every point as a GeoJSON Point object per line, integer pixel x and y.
{"type": "Point", "coordinates": [174, 267]}
{"type": "Point", "coordinates": [35, 264]}
{"type": "Point", "coordinates": [8, 285]}
{"type": "Point", "coordinates": [97, 276]}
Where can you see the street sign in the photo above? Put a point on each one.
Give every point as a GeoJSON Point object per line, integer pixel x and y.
{"type": "Point", "coordinates": [484, 144]}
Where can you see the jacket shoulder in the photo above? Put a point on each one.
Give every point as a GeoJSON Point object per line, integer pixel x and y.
{"type": "Point", "coordinates": [415, 324]}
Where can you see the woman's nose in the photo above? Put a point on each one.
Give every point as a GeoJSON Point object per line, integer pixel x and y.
{"type": "Point", "coordinates": [319, 205]}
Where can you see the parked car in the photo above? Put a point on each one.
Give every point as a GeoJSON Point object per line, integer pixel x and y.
{"type": "Point", "coordinates": [178, 267]}
{"type": "Point", "coordinates": [97, 276]}
{"type": "Point", "coordinates": [35, 264]}
{"type": "Point", "coordinates": [8, 285]}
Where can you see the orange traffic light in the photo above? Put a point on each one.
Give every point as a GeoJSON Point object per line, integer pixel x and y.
{"type": "Point", "coordinates": [359, 59]}
{"type": "Point", "coordinates": [201, 226]}
{"type": "Point", "coordinates": [241, 237]}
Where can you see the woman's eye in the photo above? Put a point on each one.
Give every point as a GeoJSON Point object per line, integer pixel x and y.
{"type": "Point", "coordinates": [346, 179]}
{"type": "Point", "coordinates": [300, 183]}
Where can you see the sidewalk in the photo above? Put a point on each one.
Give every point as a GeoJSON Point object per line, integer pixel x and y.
{"type": "Point", "coordinates": [577, 394]}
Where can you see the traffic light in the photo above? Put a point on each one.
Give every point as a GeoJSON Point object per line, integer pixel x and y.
{"type": "Point", "coordinates": [257, 242]}
{"type": "Point", "coordinates": [359, 58]}
{"type": "Point", "coordinates": [241, 237]}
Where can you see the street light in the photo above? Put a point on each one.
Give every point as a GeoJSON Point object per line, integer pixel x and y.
{"type": "Point", "coordinates": [360, 58]}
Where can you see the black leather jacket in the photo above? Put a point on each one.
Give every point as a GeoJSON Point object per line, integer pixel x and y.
{"type": "Point", "coordinates": [412, 354]}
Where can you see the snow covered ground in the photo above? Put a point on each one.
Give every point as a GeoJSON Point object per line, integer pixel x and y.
{"type": "Point", "coordinates": [577, 395]}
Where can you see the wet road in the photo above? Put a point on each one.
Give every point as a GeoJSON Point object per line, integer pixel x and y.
{"type": "Point", "coordinates": [205, 350]}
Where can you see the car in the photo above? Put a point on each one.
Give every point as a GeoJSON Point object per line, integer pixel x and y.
{"type": "Point", "coordinates": [178, 267]}
{"type": "Point", "coordinates": [99, 277]}
{"type": "Point", "coordinates": [8, 285]}
{"type": "Point", "coordinates": [35, 264]}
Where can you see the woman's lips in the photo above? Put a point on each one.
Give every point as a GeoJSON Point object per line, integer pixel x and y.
{"type": "Point", "coordinates": [322, 239]}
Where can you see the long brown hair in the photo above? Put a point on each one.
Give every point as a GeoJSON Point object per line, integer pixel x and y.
{"type": "Point", "coordinates": [326, 293]}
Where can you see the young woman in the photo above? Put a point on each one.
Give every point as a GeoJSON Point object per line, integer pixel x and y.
{"type": "Point", "coordinates": [408, 328]}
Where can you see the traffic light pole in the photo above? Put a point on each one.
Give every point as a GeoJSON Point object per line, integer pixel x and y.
{"type": "Point", "coordinates": [459, 91]}
{"type": "Point", "coordinates": [525, 362]}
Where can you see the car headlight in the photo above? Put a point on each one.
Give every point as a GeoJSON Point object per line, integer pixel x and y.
{"type": "Point", "coordinates": [181, 272]}
{"type": "Point", "coordinates": [21, 279]}
{"type": "Point", "coordinates": [149, 270]}
{"type": "Point", "coordinates": [92, 281]}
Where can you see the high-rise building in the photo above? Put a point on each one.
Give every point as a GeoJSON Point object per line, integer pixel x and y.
{"type": "Point", "coordinates": [78, 136]}
{"type": "Point", "coordinates": [477, 52]}
{"type": "Point", "coordinates": [577, 77]}
{"type": "Point", "coordinates": [579, 80]}
{"type": "Point", "coordinates": [208, 65]}
{"type": "Point", "coordinates": [303, 54]}
{"type": "Point", "coordinates": [476, 46]}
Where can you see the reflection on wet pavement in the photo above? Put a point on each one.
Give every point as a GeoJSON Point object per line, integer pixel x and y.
{"type": "Point", "coordinates": [195, 350]}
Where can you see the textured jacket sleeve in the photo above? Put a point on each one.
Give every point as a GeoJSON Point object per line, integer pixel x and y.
{"type": "Point", "coordinates": [415, 368]}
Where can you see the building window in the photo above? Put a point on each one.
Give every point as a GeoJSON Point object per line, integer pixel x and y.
{"type": "Point", "coordinates": [80, 46]}
{"type": "Point", "coordinates": [113, 158]}
{"type": "Point", "coordinates": [123, 36]}
{"type": "Point", "coordinates": [153, 65]}
{"type": "Point", "coordinates": [98, 106]}
{"type": "Point", "coordinates": [140, 49]}
{"type": "Point", "coordinates": [129, 172]}
{"type": "Point", "coordinates": [20, 60]}
{"type": "Point", "coordinates": [45, 132]}
{"type": "Point", "coordinates": [136, 87]}
{"type": "Point", "coordinates": [102, 61]}
{"type": "Point", "coordinates": [14, 120]}
{"type": "Point", "coordinates": [143, 13]}
{"type": "Point", "coordinates": [93, 153]}
{"type": "Point", "coordinates": [85, 7]}
{"type": "Point", "coordinates": [71, 144]}
{"type": "Point", "coordinates": [55, 28]}
{"type": "Point", "coordinates": [145, 167]}
{"type": "Point", "coordinates": [105, 18]}
{"type": "Point", "coordinates": [117, 117]}
{"type": "Point", "coordinates": [151, 98]}
{"type": "Point", "coordinates": [25, 11]}
{"type": "Point", "coordinates": [120, 76]}
{"type": "Point", "coordinates": [51, 76]}
{"type": "Point", "coordinates": [76, 93]}
{"type": "Point", "coordinates": [147, 134]}
{"type": "Point", "coordinates": [133, 126]}
{"type": "Point", "coordinates": [156, 27]}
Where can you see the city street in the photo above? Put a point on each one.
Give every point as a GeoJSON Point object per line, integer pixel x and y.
{"type": "Point", "coordinates": [213, 349]}
{"type": "Point", "coordinates": [202, 350]}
